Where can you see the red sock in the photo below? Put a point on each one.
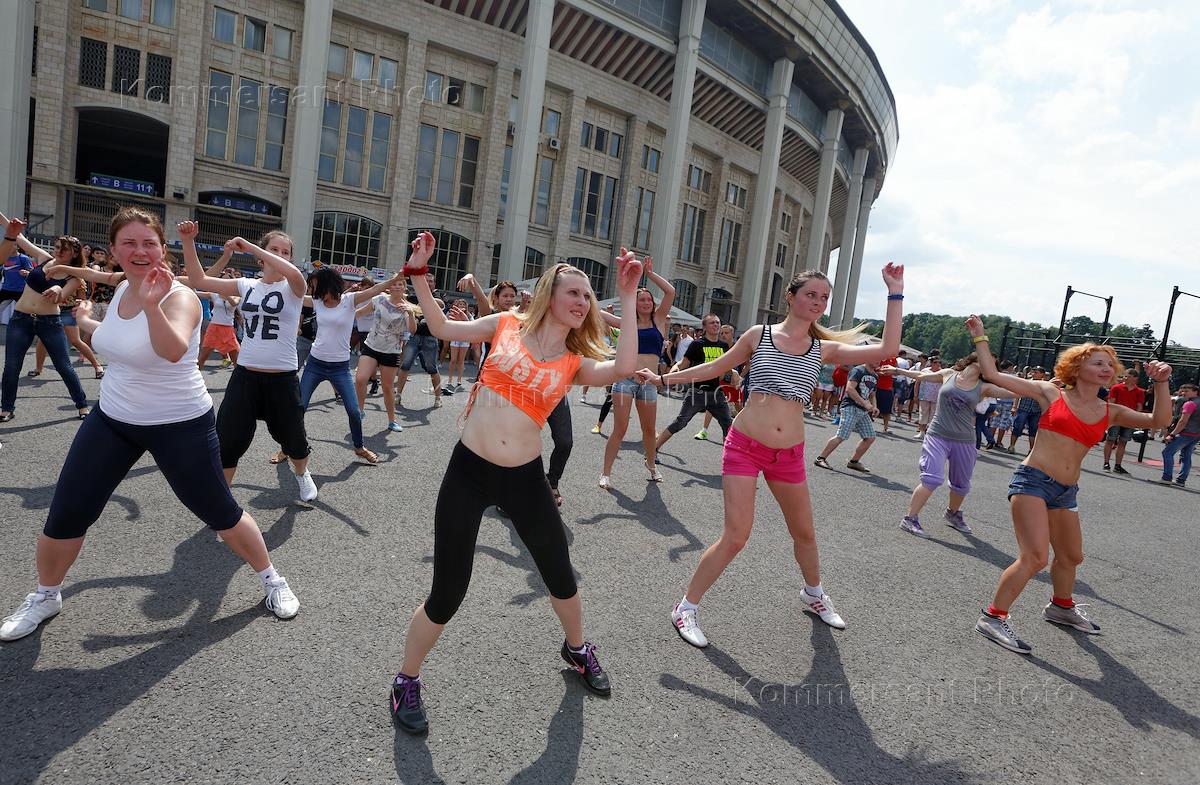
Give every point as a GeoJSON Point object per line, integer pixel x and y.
{"type": "Point", "coordinates": [1060, 602]}
{"type": "Point", "coordinates": [992, 610]}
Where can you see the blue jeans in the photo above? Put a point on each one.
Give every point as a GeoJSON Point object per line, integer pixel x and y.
{"type": "Point", "coordinates": [982, 431]}
{"type": "Point", "coordinates": [22, 329]}
{"type": "Point", "coordinates": [337, 374]}
{"type": "Point", "coordinates": [1184, 443]}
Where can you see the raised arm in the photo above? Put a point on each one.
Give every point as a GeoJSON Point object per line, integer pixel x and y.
{"type": "Point", "coordinates": [222, 261]}
{"type": "Point", "coordinates": [367, 294]}
{"type": "Point", "coordinates": [1160, 374]}
{"type": "Point", "coordinates": [196, 276]}
{"type": "Point", "coordinates": [276, 264]}
{"type": "Point", "coordinates": [845, 354]}
{"type": "Point", "coordinates": [13, 228]}
{"type": "Point", "coordinates": [439, 326]}
{"type": "Point", "coordinates": [484, 304]}
{"type": "Point", "coordinates": [597, 373]}
{"type": "Point", "coordinates": [663, 312]}
{"type": "Point", "coordinates": [918, 376]}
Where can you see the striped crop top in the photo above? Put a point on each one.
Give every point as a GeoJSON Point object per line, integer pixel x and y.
{"type": "Point", "coordinates": [789, 376]}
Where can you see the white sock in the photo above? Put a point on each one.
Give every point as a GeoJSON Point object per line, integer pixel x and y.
{"type": "Point", "coordinates": [814, 591]}
{"type": "Point", "coordinates": [268, 574]}
{"type": "Point", "coordinates": [49, 591]}
{"type": "Point", "coordinates": [684, 605]}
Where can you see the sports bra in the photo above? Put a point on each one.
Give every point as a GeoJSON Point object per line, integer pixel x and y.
{"type": "Point", "coordinates": [1060, 419]}
{"type": "Point", "coordinates": [37, 280]}
{"type": "Point", "coordinates": [788, 376]}
{"type": "Point", "coordinates": [511, 372]}
{"type": "Point", "coordinates": [650, 340]}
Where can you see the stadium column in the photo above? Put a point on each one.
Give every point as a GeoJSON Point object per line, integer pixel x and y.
{"type": "Point", "coordinates": [860, 240]}
{"type": "Point", "coordinates": [683, 84]}
{"type": "Point", "coordinates": [858, 169]}
{"type": "Point", "coordinates": [816, 259]}
{"type": "Point", "coordinates": [762, 216]}
{"type": "Point", "coordinates": [16, 55]}
{"type": "Point", "coordinates": [525, 139]}
{"type": "Point", "coordinates": [306, 143]}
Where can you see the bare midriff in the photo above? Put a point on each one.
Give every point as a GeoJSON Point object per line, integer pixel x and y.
{"type": "Point", "coordinates": [1059, 456]}
{"type": "Point", "coordinates": [772, 421]}
{"type": "Point", "coordinates": [499, 432]}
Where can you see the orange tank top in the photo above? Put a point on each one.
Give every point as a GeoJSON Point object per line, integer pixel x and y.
{"type": "Point", "coordinates": [1060, 419]}
{"type": "Point", "coordinates": [511, 371]}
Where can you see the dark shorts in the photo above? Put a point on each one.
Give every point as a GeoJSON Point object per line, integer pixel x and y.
{"type": "Point", "coordinates": [1118, 434]}
{"type": "Point", "coordinates": [1028, 481]}
{"type": "Point", "coordinates": [883, 401]}
{"type": "Point", "coordinates": [390, 359]}
{"type": "Point", "coordinates": [256, 395]}
{"type": "Point", "coordinates": [423, 348]}
{"type": "Point", "coordinates": [1023, 421]}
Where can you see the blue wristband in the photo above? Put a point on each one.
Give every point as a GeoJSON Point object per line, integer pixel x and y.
{"type": "Point", "coordinates": [895, 297]}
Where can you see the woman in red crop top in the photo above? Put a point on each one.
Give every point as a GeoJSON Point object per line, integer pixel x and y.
{"type": "Point", "coordinates": [1043, 490]}
{"type": "Point", "coordinates": [535, 358]}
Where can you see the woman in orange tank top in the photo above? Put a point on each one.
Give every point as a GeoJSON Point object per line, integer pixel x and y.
{"type": "Point", "coordinates": [535, 358]}
{"type": "Point", "coordinates": [1043, 490]}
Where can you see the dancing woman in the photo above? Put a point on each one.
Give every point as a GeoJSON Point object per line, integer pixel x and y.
{"type": "Point", "coordinates": [768, 434]}
{"type": "Point", "coordinates": [152, 399]}
{"type": "Point", "coordinates": [535, 358]}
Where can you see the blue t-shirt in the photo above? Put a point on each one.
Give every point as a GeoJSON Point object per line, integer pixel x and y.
{"type": "Point", "coordinates": [13, 280]}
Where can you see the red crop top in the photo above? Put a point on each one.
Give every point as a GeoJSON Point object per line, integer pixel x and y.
{"type": "Point", "coordinates": [1060, 419]}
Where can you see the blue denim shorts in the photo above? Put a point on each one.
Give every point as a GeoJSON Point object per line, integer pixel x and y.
{"type": "Point", "coordinates": [1028, 481]}
{"type": "Point", "coordinates": [67, 317]}
{"type": "Point", "coordinates": [640, 392]}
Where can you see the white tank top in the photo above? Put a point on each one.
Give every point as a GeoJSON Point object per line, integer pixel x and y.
{"type": "Point", "coordinates": [140, 387]}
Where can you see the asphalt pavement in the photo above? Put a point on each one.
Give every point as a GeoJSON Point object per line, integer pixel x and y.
{"type": "Point", "coordinates": [164, 665]}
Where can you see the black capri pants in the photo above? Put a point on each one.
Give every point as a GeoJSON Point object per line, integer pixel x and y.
{"type": "Point", "coordinates": [696, 401]}
{"type": "Point", "coordinates": [469, 486]}
{"type": "Point", "coordinates": [104, 450]}
{"type": "Point", "coordinates": [564, 440]}
{"type": "Point", "coordinates": [257, 395]}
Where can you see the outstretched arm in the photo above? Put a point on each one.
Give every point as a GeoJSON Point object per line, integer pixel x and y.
{"type": "Point", "coordinates": [1160, 374]}
{"type": "Point", "coordinates": [845, 354]}
{"type": "Point", "coordinates": [367, 294]}
{"type": "Point", "coordinates": [469, 281]}
{"type": "Point", "coordinates": [597, 373]}
{"type": "Point", "coordinates": [196, 276]}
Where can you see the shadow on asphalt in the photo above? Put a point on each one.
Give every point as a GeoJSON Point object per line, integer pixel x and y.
{"type": "Point", "coordinates": [819, 718]}
{"type": "Point", "coordinates": [75, 701]}
{"type": "Point", "coordinates": [558, 763]}
{"type": "Point", "coordinates": [39, 498]}
{"type": "Point", "coordinates": [521, 560]}
{"type": "Point", "coordinates": [1140, 705]}
{"type": "Point", "coordinates": [653, 514]}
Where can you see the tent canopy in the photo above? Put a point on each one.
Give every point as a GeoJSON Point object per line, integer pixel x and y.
{"type": "Point", "coordinates": [677, 315]}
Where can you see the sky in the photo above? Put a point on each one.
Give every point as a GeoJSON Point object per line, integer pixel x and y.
{"type": "Point", "coordinates": [1042, 144]}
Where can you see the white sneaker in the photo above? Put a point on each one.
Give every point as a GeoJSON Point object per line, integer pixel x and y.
{"type": "Point", "coordinates": [280, 600]}
{"type": "Point", "coordinates": [25, 619]}
{"type": "Point", "coordinates": [308, 488]}
{"type": "Point", "coordinates": [688, 629]}
{"type": "Point", "coordinates": [605, 482]}
{"type": "Point", "coordinates": [823, 607]}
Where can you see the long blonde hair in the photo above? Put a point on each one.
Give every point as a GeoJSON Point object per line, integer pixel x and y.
{"type": "Point", "coordinates": [815, 329]}
{"type": "Point", "coordinates": [586, 340]}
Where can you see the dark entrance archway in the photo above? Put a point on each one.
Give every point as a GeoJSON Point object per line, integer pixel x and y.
{"type": "Point", "coordinates": [121, 144]}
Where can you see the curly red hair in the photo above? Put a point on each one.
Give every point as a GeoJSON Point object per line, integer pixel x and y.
{"type": "Point", "coordinates": [1066, 369]}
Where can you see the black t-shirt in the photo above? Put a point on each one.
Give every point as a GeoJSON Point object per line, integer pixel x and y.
{"type": "Point", "coordinates": [308, 323]}
{"type": "Point", "coordinates": [703, 350]}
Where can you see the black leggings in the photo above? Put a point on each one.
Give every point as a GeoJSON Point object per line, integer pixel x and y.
{"type": "Point", "coordinates": [254, 395]}
{"type": "Point", "coordinates": [560, 432]}
{"type": "Point", "coordinates": [105, 450]}
{"type": "Point", "coordinates": [605, 407]}
{"type": "Point", "coordinates": [469, 486]}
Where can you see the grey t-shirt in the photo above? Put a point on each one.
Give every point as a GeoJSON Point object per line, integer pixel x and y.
{"type": "Point", "coordinates": [954, 419]}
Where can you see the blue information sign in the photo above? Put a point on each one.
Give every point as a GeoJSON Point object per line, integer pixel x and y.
{"type": "Point", "coordinates": [238, 203]}
{"type": "Point", "coordinates": [121, 184]}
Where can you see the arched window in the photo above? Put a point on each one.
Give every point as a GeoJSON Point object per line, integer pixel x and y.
{"type": "Point", "coordinates": [449, 262]}
{"type": "Point", "coordinates": [535, 264]}
{"type": "Point", "coordinates": [345, 238]}
{"type": "Point", "coordinates": [685, 295]}
{"type": "Point", "coordinates": [597, 273]}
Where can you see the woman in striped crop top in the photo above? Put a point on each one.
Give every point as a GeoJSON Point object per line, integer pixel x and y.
{"type": "Point", "coordinates": [535, 358]}
{"type": "Point", "coordinates": [1043, 491]}
{"type": "Point", "coordinates": [768, 434]}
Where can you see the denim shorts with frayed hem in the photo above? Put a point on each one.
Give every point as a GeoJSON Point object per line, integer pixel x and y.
{"type": "Point", "coordinates": [1028, 481]}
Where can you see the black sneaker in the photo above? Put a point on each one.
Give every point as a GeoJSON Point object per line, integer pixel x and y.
{"type": "Point", "coordinates": [1119, 469]}
{"type": "Point", "coordinates": [407, 710]}
{"type": "Point", "coordinates": [588, 667]}
{"type": "Point", "coordinates": [1107, 467]}
{"type": "Point", "coordinates": [374, 387]}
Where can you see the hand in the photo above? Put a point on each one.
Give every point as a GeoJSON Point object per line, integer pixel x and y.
{"type": "Point", "coordinates": [646, 375]}
{"type": "Point", "coordinates": [888, 369]}
{"type": "Point", "coordinates": [156, 286]}
{"type": "Point", "coordinates": [974, 326]}
{"type": "Point", "coordinates": [83, 310]}
{"type": "Point", "coordinates": [1158, 371]}
{"type": "Point", "coordinates": [24, 273]}
{"type": "Point", "coordinates": [648, 265]}
{"type": "Point", "coordinates": [464, 283]}
{"type": "Point", "coordinates": [241, 245]}
{"type": "Point", "coordinates": [893, 277]}
{"type": "Point", "coordinates": [230, 247]}
{"type": "Point", "coordinates": [422, 249]}
{"type": "Point", "coordinates": [629, 272]}
{"type": "Point", "coordinates": [188, 230]}
{"type": "Point", "coordinates": [457, 314]}
{"type": "Point", "coordinates": [874, 411]}
{"type": "Point", "coordinates": [13, 226]}
{"type": "Point", "coordinates": [53, 294]}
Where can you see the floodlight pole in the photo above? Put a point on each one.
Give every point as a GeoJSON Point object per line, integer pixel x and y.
{"type": "Point", "coordinates": [1162, 348]}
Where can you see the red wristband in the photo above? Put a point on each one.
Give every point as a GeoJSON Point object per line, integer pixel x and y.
{"type": "Point", "coordinates": [410, 271]}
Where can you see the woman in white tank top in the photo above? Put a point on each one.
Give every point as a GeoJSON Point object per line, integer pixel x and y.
{"type": "Point", "coordinates": [153, 400]}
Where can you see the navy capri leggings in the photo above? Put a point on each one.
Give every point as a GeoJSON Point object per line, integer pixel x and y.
{"type": "Point", "coordinates": [187, 453]}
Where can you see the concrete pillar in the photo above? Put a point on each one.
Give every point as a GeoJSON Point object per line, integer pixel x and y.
{"type": "Point", "coordinates": [762, 216]}
{"type": "Point", "coordinates": [395, 249]}
{"type": "Point", "coordinates": [16, 54]}
{"type": "Point", "coordinates": [829, 146]}
{"type": "Point", "coordinates": [849, 225]}
{"type": "Point", "coordinates": [525, 140]}
{"type": "Point", "coordinates": [306, 142]}
{"type": "Point", "coordinates": [666, 204]}
{"type": "Point", "coordinates": [860, 240]}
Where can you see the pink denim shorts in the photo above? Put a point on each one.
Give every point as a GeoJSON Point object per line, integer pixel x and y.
{"type": "Point", "coordinates": [747, 457]}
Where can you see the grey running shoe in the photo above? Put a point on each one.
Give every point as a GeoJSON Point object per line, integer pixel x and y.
{"type": "Point", "coordinates": [912, 526]}
{"type": "Point", "coordinates": [1070, 617]}
{"type": "Point", "coordinates": [954, 519]}
{"type": "Point", "coordinates": [1000, 631]}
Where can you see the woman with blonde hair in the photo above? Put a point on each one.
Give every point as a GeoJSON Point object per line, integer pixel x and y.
{"type": "Point", "coordinates": [535, 359]}
{"type": "Point", "coordinates": [768, 434]}
{"type": "Point", "coordinates": [1044, 488]}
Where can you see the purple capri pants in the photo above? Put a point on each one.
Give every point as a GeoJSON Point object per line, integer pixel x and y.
{"type": "Point", "coordinates": [935, 452]}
